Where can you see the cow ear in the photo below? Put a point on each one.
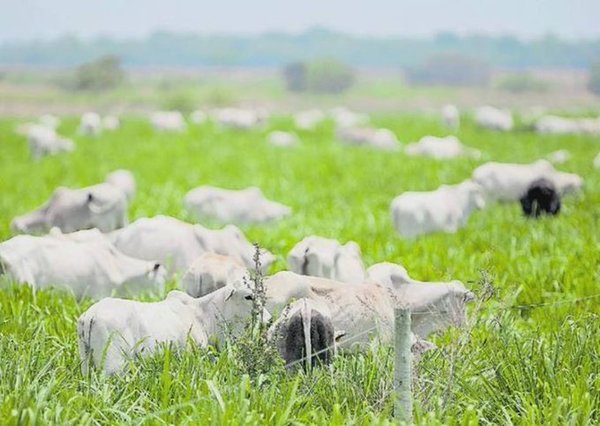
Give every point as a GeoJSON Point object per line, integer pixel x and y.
{"type": "Point", "coordinates": [338, 335]}
{"type": "Point", "coordinates": [230, 294]}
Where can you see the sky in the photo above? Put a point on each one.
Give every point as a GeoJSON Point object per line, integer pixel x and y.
{"type": "Point", "coordinates": [44, 19]}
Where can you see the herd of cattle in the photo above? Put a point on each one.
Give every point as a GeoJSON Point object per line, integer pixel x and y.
{"type": "Point", "coordinates": [81, 239]}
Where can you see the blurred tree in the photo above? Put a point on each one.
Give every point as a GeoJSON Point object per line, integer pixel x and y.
{"type": "Point", "coordinates": [101, 74]}
{"type": "Point", "coordinates": [295, 76]}
{"type": "Point", "coordinates": [450, 69]}
{"type": "Point", "coordinates": [520, 83]}
{"type": "Point", "coordinates": [329, 76]}
{"type": "Point", "coordinates": [594, 83]}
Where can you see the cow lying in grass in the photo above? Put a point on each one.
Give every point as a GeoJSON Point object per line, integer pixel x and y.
{"type": "Point", "coordinates": [447, 209]}
{"type": "Point", "coordinates": [327, 258]}
{"type": "Point", "coordinates": [113, 331]}
{"type": "Point", "coordinates": [178, 244]}
{"type": "Point", "coordinates": [85, 263]}
{"type": "Point", "coordinates": [102, 206]}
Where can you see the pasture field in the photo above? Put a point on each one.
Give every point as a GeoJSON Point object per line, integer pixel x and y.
{"type": "Point", "coordinates": [510, 365]}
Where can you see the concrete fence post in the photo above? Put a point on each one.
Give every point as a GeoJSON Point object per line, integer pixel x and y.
{"type": "Point", "coordinates": [403, 403]}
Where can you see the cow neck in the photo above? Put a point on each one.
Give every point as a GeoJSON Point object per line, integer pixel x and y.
{"type": "Point", "coordinates": [207, 309]}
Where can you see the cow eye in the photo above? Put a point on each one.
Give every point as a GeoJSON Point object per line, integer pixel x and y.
{"type": "Point", "coordinates": [249, 297]}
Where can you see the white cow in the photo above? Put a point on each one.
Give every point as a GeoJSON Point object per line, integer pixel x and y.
{"type": "Point", "coordinates": [493, 118]}
{"type": "Point", "coordinates": [114, 331]}
{"type": "Point", "coordinates": [240, 119]}
{"type": "Point", "coordinates": [168, 121]}
{"type": "Point", "coordinates": [124, 180]}
{"type": "Point", "coordinates": [363, 136]}
{"type": "Point", "coordinates": [178, 244]}
{"type": "Point", "coordinates": [43, 141]}
{"type": "Point", "coordinates": [282, 139]}
{"type": "Point", "coordinates": [451, 117]}
{"type": "Point", "coordinates": [441, 148]}
{"type": "Point", "coordinates": [554, 125]}
{"type": "Point", "coordinates": [212, 271]}
{"type": "Point", "coordinates": [446, 209]}
{"type": "Point", "coordinates": [509, 182]}
{"type": "Point", "coordinates": [344, 118]}
{"type": "Point", "coordinates": [366, 312]}
{"type": "Point", "coordinates": [103, 206]}
{"type": "Point", "coordinates": [327, 258]}
{"type": "Point", "coordinates": [90, 124]}
{"type": "Point", "coordinates": [559, 157]}
{"type": "Point", "coordinates": [446, 299]}
{"type": "Point", "coordinates": [309, 120]}
{"type": "Point", "coordinates": [245, 206]}
{"type": "Point", "coordinates": [50, 121]}
{"type": "Point", "coordinates": [88, 265]}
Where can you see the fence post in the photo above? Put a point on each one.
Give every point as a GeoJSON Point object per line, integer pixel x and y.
{"type": "Point", "coordinates": [402, 366]}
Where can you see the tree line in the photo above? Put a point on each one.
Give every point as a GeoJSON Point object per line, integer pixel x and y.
{"type": "Point", "coordinates": [279, 49]}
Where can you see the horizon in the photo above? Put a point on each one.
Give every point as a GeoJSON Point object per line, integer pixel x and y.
{"type": "Point", "coordinates": [36, 20]}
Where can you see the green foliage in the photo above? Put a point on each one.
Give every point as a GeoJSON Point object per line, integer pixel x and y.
{"type": "Point", "coordinates": [525, 366]}
{"type": "Point", "coordinates": [295, 76]}
{"type": "Point", "coordinates": [329, 76]}
{"type": "Point", "coordinates": [594, 83]}
{"type": "Point", "coordinates": [450, 69]}
{"type": "Point", "coordinates": [276, 49]}
{"type": "Point", "coordinates": [179, 100]}
{"type": "Point", "coordinates": [101, 74]}
{"type": "Point", "coordinates": [256, 354]}
{"type": "Point", "coordinates": [521, 83]}
{"type": "Point", "coordinates": [321, 76]}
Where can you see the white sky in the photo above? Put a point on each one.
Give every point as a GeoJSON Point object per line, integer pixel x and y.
{"type": "Point", "coordinates": [27, 19]}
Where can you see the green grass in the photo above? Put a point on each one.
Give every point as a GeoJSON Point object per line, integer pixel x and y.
{"type": "Point", "coordinates": [513, 366]}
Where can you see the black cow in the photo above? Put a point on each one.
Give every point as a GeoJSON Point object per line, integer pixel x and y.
{"type": "Point", "coordinates": [541, 198]}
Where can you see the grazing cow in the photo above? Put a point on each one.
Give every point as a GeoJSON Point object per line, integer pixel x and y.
{"type": "Point", "coordinates": [124, 180]}
{"type": "Point", "coordinates": [441, 148]}
{"type": "Point", "coordinates": [541, 198]}
{"type": "Point", "coordinates": [365, 313]}
{"type": "Point", "coordinates": [113, 331]}
{"type": "Point", "coordinates": [178, 244]}
{"type": "Point", "coordinates": [323, 257]}
{"type": "Point", "coordinates": [44, 141]}
{"type": "Point", "coordinates": [304, 334]}
{"type": "Point", "coordinates": [363, 136]}
{"type": "Point", "coordinates": [282, 139]}
{"type": "Point", "coordinates": [240, 119]}
{"type": "Point", "coordinates": [210, 272]}
{"type": "Point", "coordinates": [447, 209]}
{"type": "Point", "coordinates": [554, 125]}
{"type": "Point", "coordinates": [451, 117]}
{"type": "Point", "coordinates": [344, 118]}
{"type": "Point", "coordinates": [88, 265]}
{"type": "Point", "coordinates": [493, 118]}
{"type": "Point", "coordinates": [50, 121]}
{"type": "Point", "coordinates": [508, 181]}
{"type": "Point", "coordinates": [244, 206]}
{"type": "Point", "coordinates": [168, 121]}
{"type": "Point", "coordinates": [446, 299]}
{"type": "Point", "coordinates": [102, 206]}
{"type": "Point", "coordinates": [90, 124]}
{"type": "Point", "coordinates": [559, 157]}
{"type": "Point", "coordinates": [309, 120]}
{"type": "Point", "coordinates": [111, 122]}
